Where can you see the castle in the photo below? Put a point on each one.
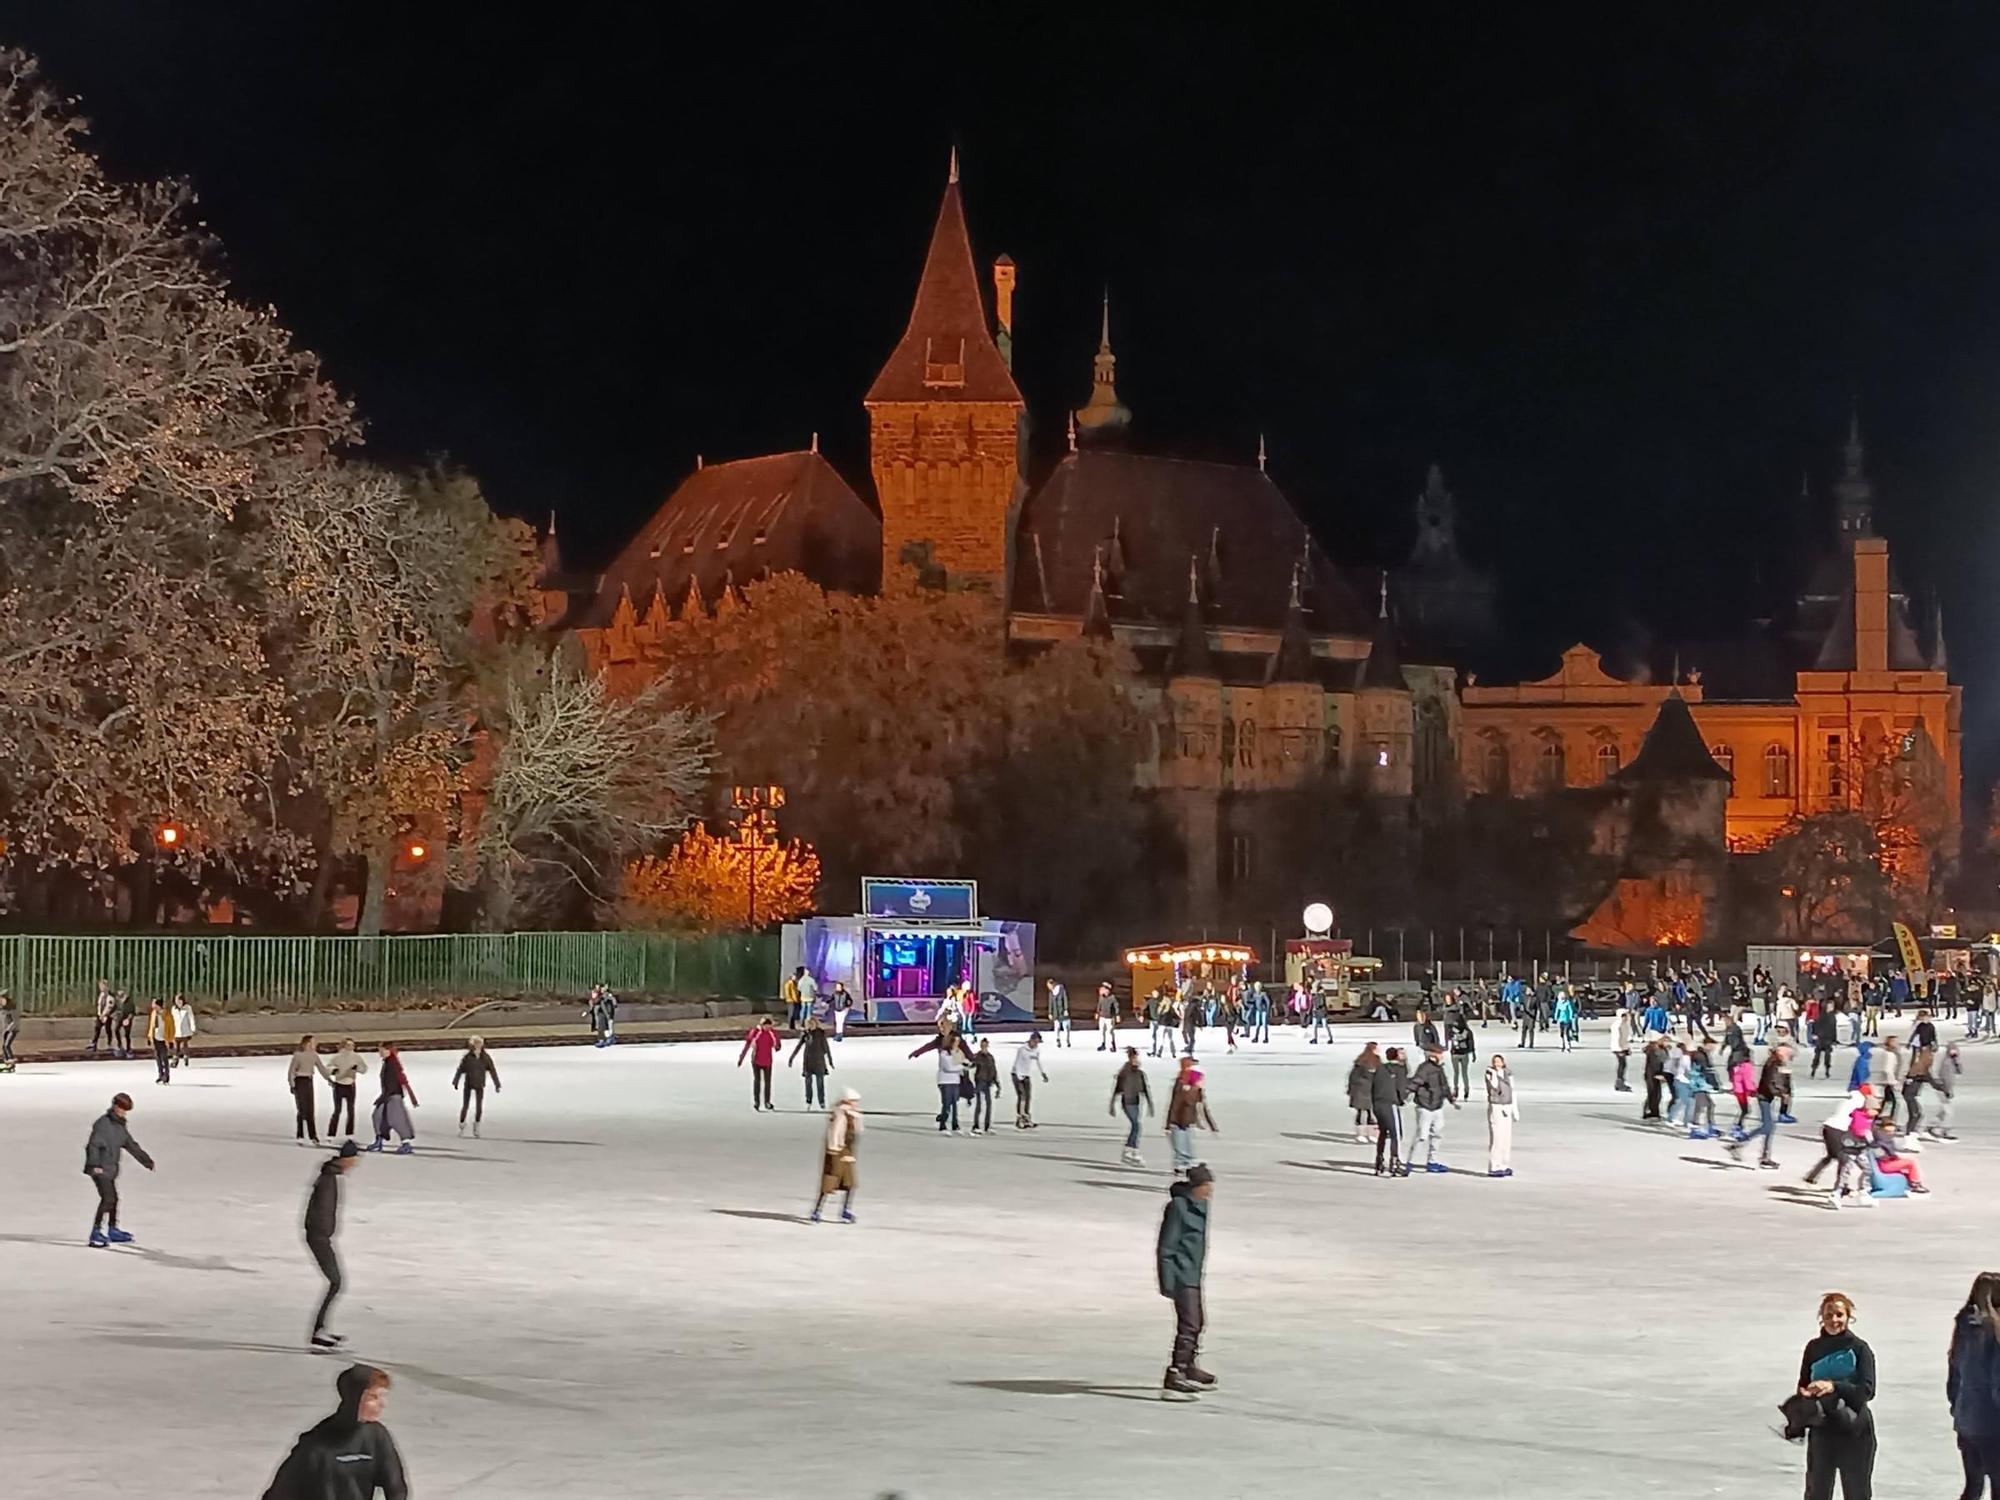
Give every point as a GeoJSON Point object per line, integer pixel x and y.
{"type": "Point", "coordinates": [1262, 665]}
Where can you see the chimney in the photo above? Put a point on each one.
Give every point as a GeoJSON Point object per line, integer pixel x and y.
{"type": "Point", "coordinates": [1003, 294]}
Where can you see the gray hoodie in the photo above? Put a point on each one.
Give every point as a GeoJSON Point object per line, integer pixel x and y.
{"type": "Point", "coordinates": [1945, 1068]}
{"type": "Point", "coordinates": [109, 1140]}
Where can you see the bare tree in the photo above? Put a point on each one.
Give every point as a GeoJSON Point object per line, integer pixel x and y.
{"type": "Point", "coordinates": [582, 781]}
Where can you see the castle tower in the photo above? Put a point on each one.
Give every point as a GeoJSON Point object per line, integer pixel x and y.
{"type": "Point", "coordinates": [1294, 702]}
{"type": "Point", "coordinates": [1853, 492]}
{"type": "Point", "coordinates": [1387, 713]}
{"type": "Point", "coordinates": [1191, 776]}
{"type": "Point", "coordinates": [944, 420]}
{"type": "Point", "coordinates": [1103, 414]}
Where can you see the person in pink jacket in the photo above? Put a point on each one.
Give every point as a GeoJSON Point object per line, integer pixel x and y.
{"type": "Point", "coordinates": [761, 1047]}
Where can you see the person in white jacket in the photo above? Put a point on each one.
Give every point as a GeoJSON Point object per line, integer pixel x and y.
{"type": "Point", "coordinates": [1027, 1062]}
{"type": "Point", "coordinates": [1621, 1044]}
{"type": "Point", "coordinates": [1501, 1113]}
{"type": "Point", "coordinates": [344, 1067]}
{"type": "Point", "coordinates": [184, 1029]}
{"type": "Point", "coordinates": [1842, 1149]}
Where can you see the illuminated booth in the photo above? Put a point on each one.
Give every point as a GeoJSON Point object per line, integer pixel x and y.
{"type": "Point", "coordinates": [910, 942]}
{"type": "Point", "coordinates": [1170, 965]}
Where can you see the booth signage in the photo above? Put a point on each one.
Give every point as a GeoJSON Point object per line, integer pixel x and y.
{"type": "Point", "coordinates": [921, 900]}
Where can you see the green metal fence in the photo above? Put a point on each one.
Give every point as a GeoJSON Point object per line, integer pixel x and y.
{"type": "Point", "coordinates": [55, 975]}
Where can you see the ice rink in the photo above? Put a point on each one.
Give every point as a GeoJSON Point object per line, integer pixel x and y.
{"type": "Point", "coordinates": [614, 1293]}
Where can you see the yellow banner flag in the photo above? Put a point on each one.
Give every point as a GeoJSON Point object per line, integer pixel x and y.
{"type": "Point", "coordinates": [1913, 958]}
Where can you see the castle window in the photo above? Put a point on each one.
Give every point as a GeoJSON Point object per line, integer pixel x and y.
{"type": "Point", "coordinates": [940, 368]}
{"type": "Point", "coordinates": [1239, 858]}
{"type": "Point", "coordinates": [1607, 760]}
{"type": "Point", "coordinates": [1777, 771]}
{"type": "Point", "coordinates": [1836, 771]}
{"type": "Point", "coordinates": [1332, 746]}
{"type": "Point", "coordinates": [1381, 753]}
{"type": "Point", "coordinates": [1725, 757]}
{"type": "Point", "coordinates": [1246, 744]}
{"type": "Point", "coordinates": [1553, 772]}
{"type": "Point", "coordinates": [1496, 773]}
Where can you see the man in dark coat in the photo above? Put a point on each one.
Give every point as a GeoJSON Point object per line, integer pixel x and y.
{"type": "Point", "coordinates": [321, 1224]}
{"type": "Point", "coordinates": [110, 1140]}
{"type": "Point", "coordinates": [350, 1455]}
{"type": "Point", "coordinates": [1183, 1250]}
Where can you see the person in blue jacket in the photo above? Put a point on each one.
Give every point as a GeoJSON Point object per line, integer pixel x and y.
{"type": "Point", "coordinates": [1972, 1385]}
{"type": "Point", "coordinates": [1863, 1057]}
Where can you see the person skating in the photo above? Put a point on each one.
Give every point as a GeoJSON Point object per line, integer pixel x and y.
{"type": "Point", "coordinates": [1107, 1018]}
{"type": "Point", "coordinates": [299, 1079]}
{"type": "Point", "coordinates": [1187, 1109]}
{"type": "Point", "coordinates": [470, 1077]}
{"type": "Point", "coordinates": [1972, 1385]}
{"type": "Point", "coordinates": [818, 1060]}
{"type": "Point", "coordinates": [1027, 1063]}
{"type": "Point", "coordinates": [1621, 1047]}
{"type": "Point", "coordinates": [105, 1011]}
{"type": "Point", "coordinates": [985, 1084]}
{"type": "Point", "coordinates": [1389, 1087]}
{"type": "Point", "coordinates": [1059, 1012]}
{"type": "Point", "coordinates": [1162, 1018]}
{"type": "Point", "coordinates": [1432, 1091]}
{"type": "Point", "coordinates": [110, 1141]}
{"type": "Point", "coordinates": [322, 1223]}
{"type": "Point", "coordinates": [1501, 1113]}
{"type": "Point", "coordinates": [184, 1029]}
{"type": "Point", "coordinates": [1946, 1069]}
{"type": "Point", "coordinates": [392, 1110]}
{"type": "Point", "coordinates": [1565, 1018]}
{"type": "Point", "coordinates": [1701, 1086]}
{"type": "Point", "coordinates": [1180, 1257]}
{"type": "Point", "coordinates": [10, 1028]}
{"type": "Point", "coordinates": [1825, 1037]}
{"type": "Point", "coordinates": [127, 1013]}
{"type": "Point", "coordinates": [1128, 1089]}
{"type": "Point", "coordinates": [789, 993]}
{"type": "Point", "coordinates": [761, 1047]}
{"type": "Point", "coordinates": [1190, 1022]}
{"type": "Point", "coordinates": [1886, 1073]}
{"type": "Point", "coordinates": [1424, 1033]}
{"type": "Point", "coordinates": [1653, 1068]}
{"type": "Point", "coordinates": [1361, 1090]}
{"type": "Point", "coordinates": [1464, 1048]}
{"type": "Point", "coordinates": [160, 1034]}
{"type": "Point", "coordinates": [1842, 1148]}
{"type": "Point", "coordinates": [836, 1171]}
{"type": "Point", "coordinates": [350, 1455]}
{"type": "Point", "coordinates": [1258, 1016]}
{"type": "Point", "coordinates": [952, 1060]}
{"type": "Point", "coordinates": [344, 1067]}
{"type": "Point", "coordinates": [841, 1003]}
{"type": "Point", "coordinates": [1772, 1085]}
{"type": "Point", "coordinates": [1837, 1380]}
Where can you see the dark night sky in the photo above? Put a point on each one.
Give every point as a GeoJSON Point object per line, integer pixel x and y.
{"type": "Point", "coordinates": [1619, 279]}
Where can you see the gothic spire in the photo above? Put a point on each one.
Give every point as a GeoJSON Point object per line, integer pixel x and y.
{"type": "Point", "coordinates": [1192, 657]}
{"type": "Point", "coordinates": [1103, 412]}
{"type": "Point", "coordinates": [1854, 492]}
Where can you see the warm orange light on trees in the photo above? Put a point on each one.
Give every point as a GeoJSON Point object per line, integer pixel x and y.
{"type": "Point", "coordinates": [704, 884]}
{"type": "Point", "coordinates": [168, 835]}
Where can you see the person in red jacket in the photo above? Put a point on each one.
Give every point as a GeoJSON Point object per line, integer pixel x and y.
{"type": "Point", "coordinates": [761, 1047]}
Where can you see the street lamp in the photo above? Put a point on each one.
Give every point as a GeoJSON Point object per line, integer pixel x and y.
{"type": "Point", "coordinates": [756, 830]}
{"type": "Point", "coordinates": [168, 836]}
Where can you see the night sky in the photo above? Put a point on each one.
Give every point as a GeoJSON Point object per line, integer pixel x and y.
{"type": "Point", "coordinates": [1620, 280]}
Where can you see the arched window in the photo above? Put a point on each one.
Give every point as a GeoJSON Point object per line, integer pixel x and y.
{"type": "Point", "coordinates": [1495, 773]}
{"type": "Point", "coordinates": [1552, 770]}
{"type": "Point", "coordinates": [1607, 760]}
{"type": "Point", "coordinates": [1777, 771]}
{"type": "Point", "coordinates": [1725, 757]}
{"type": "Point", "coordinates": [1332, 746]}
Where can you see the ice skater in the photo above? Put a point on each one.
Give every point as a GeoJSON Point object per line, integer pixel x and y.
{"type": "Point", "coordinates": [842, 1005]}
{"type": "Point", "coordinates": [1059, 1012]}
{"type": "Point", "coordinates": [184, 1029]}
{"type": "Point", "coordinates": [1258, 1027]}
{"type": "Point", "coordinates": [1945, 1071]}
{"type": "Point", "coordinates": [1971, 1387]}
{"type": "Point", "coordinates": [1027, 1063]}
{"type": "Point", "coordinates": [1837, 1380]}
{"type": "Point", "coordinates": [1432, 1091]}
{"type": "Point", "coordinates": [105, 1009]}
{"type": "Point", "coordinates": [819, 1060]}
{"type": "Point", "coordinates": [1772, 1083]}
{"type": "Point", "coordinates": [127, 1013]}
{"type": "Point", "coordinates": [322, 1223]}
{"type": "Point", "coordinates": [1843, 1149]}
{"type": "Point", "coordinates": [836, 1170]}
{"type": "Point", "coordinates": [392, 1110]}
{"type": "Point", "coordinates": [345, 1066]}
{"type": "Point", "coordinates": [1180, 1256]}
{"type": "Point", "coordinates": [951, 1065]}
{"type": "Point", "coordinates": [160, 1034]}
{"type": "Point", "coordinates": [1501, 1113]}
{"type": "Point", "coordinates": [1389, 1087]}
{"type": "Point", "coordinates": [985, 1084]}
{"type": "Point", "coordinates": [10, 1027]}
{"type": "Point", "coordinates": [1187, 1109]}
{"type": "Point", "coordinates": [1107, 1018]}
{"type": "Point", "coordinates": [110, 1141]}
{"type": "Point", "coordinates": [350, 1455]}
{"type": "Point", "coordinates": [1464, 1048]}
{"type": "Point", "coordinates": [1160, 1012]}
{"type": "Point", "coordinates": [1128, 1090]}
{"type": "Point", "coordinates": [474, 1069]}
{"type": "Point", "coordinates": [761, 1047]}
{"type": "Point", "coordinates": [299, 1079]}
{"type": "Point", "coordinates": [1361, 1091]}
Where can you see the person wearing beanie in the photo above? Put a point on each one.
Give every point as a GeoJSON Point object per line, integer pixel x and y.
{"type": "Point", "coordinates": [1187, 1107]}
{"type": "Point", "coordinates": [1027, 1061]}
{"type": "Point", "coordinates": [843, 1134]}
{"type": "Point", "coordinates": [1127, 1090]}
{"type": "Point", "coordinates": [350, 1455]}
{"type": "Point", "coordinates": [473, 1070]}
{"type": "Point", "coordinates": [322, 1222]}
{"type": "Point", "coordinates": [1181, 1254]}
{"type": "Point", "coordinates": [110, 1140]}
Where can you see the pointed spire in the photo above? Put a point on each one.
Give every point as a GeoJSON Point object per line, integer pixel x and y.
{"type": "Point", "coordinates": [951, 176]}
{"type": "Point", "coordinates": [1103, 412]}
{"type": "Point", "coordinates": [1673, 749]}
{"type": "Point", "coordinates": [1194, 580]}
{"type": "Point", "coordinates": [1293, 661]}
{"type": "Point", "coordinates": [1293, 602]}
{"type": "Point", "coordinates": [1384, 668]}
{"type": "Point", "coordinates": [550, 556]}
{"type": "Point", "coordinates": [1853, 492]}
{"type": "Point", "coordinates": [1383, 612]}
{"type": "Point", "coordinates": [1072, 432]}
{"type": "Point", "coordinates": [1104, 333]}
{"type": "Point", "coordinates": [1260, 453]}
{"type": "Point", "coordinates": [1097, 612]}
{"type": "Point", "coordinates": [1939, 661]}
{"type": "Point", "coordinates": [815, 443]}
{"type": "Point", "coordinates": [1192, 657]}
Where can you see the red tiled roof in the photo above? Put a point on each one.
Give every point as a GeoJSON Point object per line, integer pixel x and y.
{"type": "Point", "coordinates": [946, 353]}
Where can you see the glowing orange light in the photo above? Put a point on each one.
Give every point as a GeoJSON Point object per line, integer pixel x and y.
{"type": "Point", "coordinates": [418, 851]}
{"type": "Point", "coordinates": [168, 835]}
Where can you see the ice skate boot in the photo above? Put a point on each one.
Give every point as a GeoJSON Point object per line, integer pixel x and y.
{"type": "Point", "coordinates": [461, 1130]}
{"type": "Point", "coordinates": [118, 1236]}
{"type": "Point", "coordinates": [98, 1241]}
{"type": "Point", "coordinates": [1177, 1387]}
{"type": "Point", "coordinates": [406, 1148]}
{"type": "Point", "coordinates": [813, 1217]}
{"type": "Point", "coordinates": [475, 1132]}
{"type": "Point", "coordinates": [847, 1216]}
{"type": "Point", "coordinates": [1198, 1376]}
{"type": "Point", "coordinates": [326, 1341]}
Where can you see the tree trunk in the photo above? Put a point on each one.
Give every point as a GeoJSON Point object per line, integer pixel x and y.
{"type": "Point", "coordinates": [375, 895]}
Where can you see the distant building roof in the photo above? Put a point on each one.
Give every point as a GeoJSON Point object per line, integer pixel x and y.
{"type": "Point", "coordinates": [730, 523]}
{"type": "Point", "coordinates": [1673, 749]}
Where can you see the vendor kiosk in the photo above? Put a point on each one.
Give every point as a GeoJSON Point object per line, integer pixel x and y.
{"type": "Point", "coordinates": [1327, 966]}
{"type": "Point", "coordinates": [1171, 965]}
{"type": "Point", "coordinates": [910, 942]}
{"type": "Point", "coordinates": [1804, 966]}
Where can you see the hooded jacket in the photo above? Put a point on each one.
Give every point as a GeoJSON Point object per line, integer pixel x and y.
{"type": "Point", "coordinates": [109, 1140]}
{"type": "Point", "coordinates": [1183, 1241]}
{"type": "Point", "coordinates": [1429, 1086]}
{"type": "Point", "coordinates": [1972, 1377]}
{"type": "Point", "coordinates": [343, 1457]}
{"type": "Point", "coordinates": [1389, 1086]}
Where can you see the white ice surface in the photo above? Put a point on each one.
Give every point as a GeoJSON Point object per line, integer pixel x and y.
{"type": "Point", "coordinates": [605, 1296]}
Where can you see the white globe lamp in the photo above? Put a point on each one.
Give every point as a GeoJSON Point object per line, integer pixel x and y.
{"type": "Point", "coordinates": [1319, 919]}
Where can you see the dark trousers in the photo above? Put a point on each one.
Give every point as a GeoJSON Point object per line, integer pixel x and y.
{"type": "Point", "coordinates": [1389, 1136]}
{"type": "Point", "coordinates": [1888, 1110]}
{"type": "Point", "coordinates": [1838, 1154]}
{"type": "Point", "coordinates": [982, 1106]}
{"type": "Point", "coordinates": [1981, 1457]}
{"type": "Point", "coordinates": [7, 1034]}
{"type": "Point", "coordinates": [1461, 1075]}
{"type": "Point", "coordinates": [1024, 1098]}
{"type": "Point", "coordinates": [816, 1085]}
{"type": "Point", "coordinates": [948, 1105]}
{"type": "Point", "coordinates": [329, 1267]}
{"type": "Point", "coordinates": [107, 1201]}
{"type": "Point", "coordinates": [125, 1034]}
{"type": "Point", "coordinates": [474, 1100]}
{"type": "Point", "coordinates": [1822, 1058]}
{"type": "Point", "coordinates": [343, 1094]}
{"type": "Point", "coordinates": [760, 1086]}
{"type": "Point", "coordinates": [305, 1127]}
{"type": "Point", "coordinates": [1652, 1110]}
{"type": "Point", "coordinates": [160, 1060]}
{"type": "Point", "coordinates": [1916, 1120]}
{"type": "Point", "coordinates": [1188, 1320]}
{"type": "Point", "coordinates": [103, 1029]}
{"type": "Point", "coordinates": [1851, 1456]}
{"type": "Point", "coordinates": [1767, 1127]}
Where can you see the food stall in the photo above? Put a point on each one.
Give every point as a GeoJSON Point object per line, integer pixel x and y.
{"type": "Point", "coordinates": [1171, 965]}
{"type": "Point", "coordinates": [910, 942]}
{"type": "Point", "coordinates": [1327, 966]}
{"type": "Point", "coordinates": [1801, 965]}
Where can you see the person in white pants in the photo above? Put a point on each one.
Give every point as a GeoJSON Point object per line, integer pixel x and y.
{"type": "Point", "coordinates": [1501, 1112]}
{"type": "Point", "coordinates": [842, 1003]}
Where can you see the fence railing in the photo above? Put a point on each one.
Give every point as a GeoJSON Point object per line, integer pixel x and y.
{"type": "Point", "coordinates": [52, 975]}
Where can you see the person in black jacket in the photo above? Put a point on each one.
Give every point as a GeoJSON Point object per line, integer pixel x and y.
{"type": "Point", "coordinates": [350, 1455]}
{"type": "Point", "coordinates": [110, 1141]}
{"type": "Point", "coordinates": [1389, 1087]}
{"type": "Point", "coordinates": [1654, 1070]}
{"type": "Point", "coordinates": [819, 1059]}
{"type": "Point", "coordinates": [1837, 1378]}
{"type": "Point", "coordinates": [1825, 1034]}
{"type": "Point", "coordinates": [473, 1070]}
{"type": "Point", "coordinates": [321, 1224]}
{"type": "Point", "coordinates": [1182, 1252]}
